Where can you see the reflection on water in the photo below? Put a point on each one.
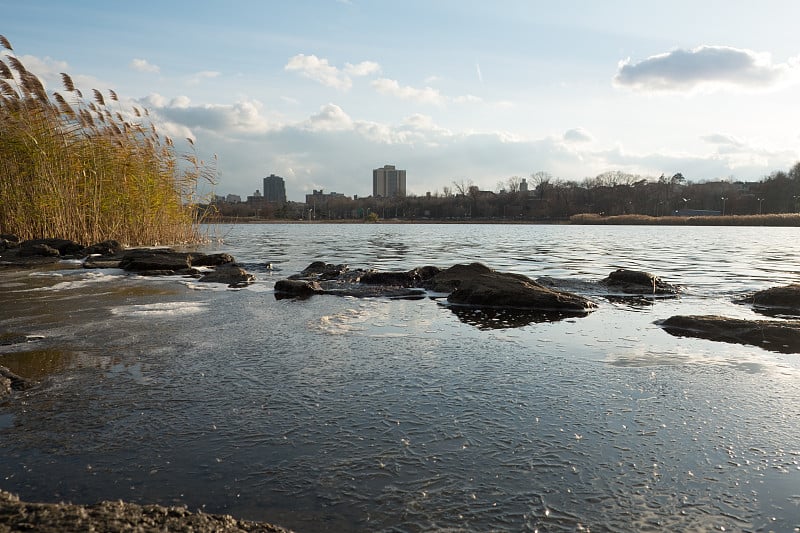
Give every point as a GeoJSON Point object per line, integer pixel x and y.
{"type": "Point", "coordinates": [37, 364]}
{"type": "Point", "coordinates": [376, 415]}
{"type": "Point", "coordinates": [488, 318]}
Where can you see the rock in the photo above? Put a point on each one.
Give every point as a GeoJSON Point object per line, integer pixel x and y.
{"type": "Point", "coordinates": [289, 288]}
{"type": "Point", "coordinates": [102, 262]}
{"type": "Point", "coordinates": [38, 249]}
{"type": "Point", "coordinates": [321, 270]}
{"type": "Point", "coordinates": [638, 282]}
{"type": "Point", "coordinates": [775, 300]}
{"type": "Point", "coordinates": [210, 259]}
{"type": "Point", "coordinates": [10, 381]}
{"type": "Point", "coordinates": [409, 278]}
{"type": "Point", "coordinates": [65, 247]}
{"type": "Point", "coordinates": [106, 248]}
{"type": "Point", "coordinates": [161, 260]}
{"type": "Point", "coordinates": [479, 286]}
{"type": "Point", "coordinates": [16, 515]}
{"type": "Point", "coordinates": [230, 274]}
{"type": "Point", "coordinates": [8, 241]}
{"type": "Point", "coordinates": [777, 336]}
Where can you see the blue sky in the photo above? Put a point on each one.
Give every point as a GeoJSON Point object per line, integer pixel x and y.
{"type": "Point", "coordinates": [322, 92]}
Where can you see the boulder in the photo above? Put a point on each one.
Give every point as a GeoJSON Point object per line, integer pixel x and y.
{"type": "Point", "coordinates": [161, 260]}
{"type": "Point", "coordinates": [108, 247]}
{"type": "Point", "coordinates": [37, 250]}
{"type": "Point", "coordinates": [8, 241]}
{"type": "Point", "coordinates": [776, 300]}
{"type": "Point", "coordinates": [480, 286]}
{"type": "Point", "coordinates": [778, 336]}
{"type": "Point", "coordinates": [230, 274]}
{"type": "Point", "coordinates": [289, 288]}
{"type": "Point", "coordinates": [65, 247]}
{"type": "Point", "coordinates": [409, 278]}
{"type": "Point", "coordinates": [638, 282]}
{"type": "Point", "coordinates": [198, 259]}
{"type": "Point", "coordinates": [321, 270]}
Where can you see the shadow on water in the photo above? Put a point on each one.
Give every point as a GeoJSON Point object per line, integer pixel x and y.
{"type": "Point", "coordinates": [488, 318]}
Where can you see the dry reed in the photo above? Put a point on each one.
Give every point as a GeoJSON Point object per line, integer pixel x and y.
{"type": "Point", "coordinates": [75, 169]}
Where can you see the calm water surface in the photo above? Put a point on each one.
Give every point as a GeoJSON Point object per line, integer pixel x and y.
{"type": "Point", "coordinates": [338, 414]}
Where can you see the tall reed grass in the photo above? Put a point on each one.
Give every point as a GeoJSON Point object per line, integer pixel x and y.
{"type": "Point", "coordinates": [90, 169]}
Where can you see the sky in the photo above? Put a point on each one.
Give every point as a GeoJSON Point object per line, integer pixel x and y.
{"type": "Point", "coordinates": [322, 92]}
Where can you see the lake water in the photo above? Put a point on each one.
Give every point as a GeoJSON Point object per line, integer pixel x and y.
{"type": "Point", "coordinates": [340, 414]}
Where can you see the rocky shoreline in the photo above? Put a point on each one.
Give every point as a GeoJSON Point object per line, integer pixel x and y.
{"type": "Point", "coordinates": [117, 516]}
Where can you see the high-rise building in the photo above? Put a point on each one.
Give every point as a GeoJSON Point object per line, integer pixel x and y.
{"type": "Point", "coordinates": [388, 182]}
{"type": "Point", "coordinates": [274, 189]}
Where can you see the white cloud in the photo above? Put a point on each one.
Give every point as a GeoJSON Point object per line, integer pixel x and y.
{"type": "Point", "coordinates": [245, 116]}
{"type": "Point", "coordinates": [705, 67]}
{"type": "Point", "coordinates": [203, 75]}
{"type": "Point", "coordinates": [365, 68]}
{"type": "Point", "coordinates": [427, 95]}
{"type": "Point", "coordinates": [331, 117]}
{"type": "Point", "coordinates": [578, 135]}
{"type": "Point", "coordinates": [142, 65]}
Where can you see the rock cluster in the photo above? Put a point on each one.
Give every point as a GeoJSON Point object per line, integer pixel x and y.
{"type": "Point", "coordinates": [473, 285]}
{"type": "Point", "coordinates": [111, 254]}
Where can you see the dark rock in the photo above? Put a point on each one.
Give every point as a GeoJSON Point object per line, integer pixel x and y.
{"type": "Point", "coordinates": [410, 278]}
{"type": "Point", "coordinates": [638, 282]}
{"type": "Point", "coordinates": [321, 270]}
{"type": "Point", "coordinates": [479, 286]}
{"type": "Point", "coordinates": [65, 247]}
{"type": "Point", "coordinates": [295, 287]}
{"type": "Point", "coordinates": [210, 259]}
{"type": "Point", "coordinates": [230, 274]}
{"type": "Point", "coordinates": [39, 249]}
{"type": "Point", "coordinates": [102, 261]}
{"type": "Point", "coordinates": [777, 336]}
{"type": "Point", "coordinates": [775, 300]}
{"type": "Point", "coordinates": [163, 261]}
{"type": "Point", "coordinates": [8, 241]}
{"type": "Point", "coordinates": [106, 248]}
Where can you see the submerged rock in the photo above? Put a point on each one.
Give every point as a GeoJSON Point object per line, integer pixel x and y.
{"type": "Point", "coordinates": [10, 381]}
{"type": "Point", "coordinates": [16, 515]}
{"type": "Point", "coordinates": [775, 300]}
{"type": "Point", "coordinates": [638, 282]}
{"type": "Point", "coordinates": [777, 336]}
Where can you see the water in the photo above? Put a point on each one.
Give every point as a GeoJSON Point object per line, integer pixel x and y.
{"type": "Point", "coordinates": [340, 414]}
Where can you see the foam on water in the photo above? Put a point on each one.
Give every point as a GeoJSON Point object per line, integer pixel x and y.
{"type": "Point", "coordinates": [160, 309]}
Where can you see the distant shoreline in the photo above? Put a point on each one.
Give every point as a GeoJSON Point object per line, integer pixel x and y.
{"type": "Point", "coordinates": [776, 220]}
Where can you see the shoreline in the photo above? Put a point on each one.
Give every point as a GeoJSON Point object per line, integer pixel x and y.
{"type": "Point", "coordinates": [774, 220]}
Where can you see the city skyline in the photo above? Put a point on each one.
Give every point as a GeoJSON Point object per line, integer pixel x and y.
{"type": "Point", "coordinates": [467, 91]}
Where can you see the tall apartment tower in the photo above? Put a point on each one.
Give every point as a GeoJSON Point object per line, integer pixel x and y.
{"type": "Point", "coordinates": [274, 189]}
{"type": "Point", "coordinates": [388, 182]}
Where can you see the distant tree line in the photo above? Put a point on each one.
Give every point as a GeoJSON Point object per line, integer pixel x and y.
{"type": "Point", "coordinates": [551, 198]}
